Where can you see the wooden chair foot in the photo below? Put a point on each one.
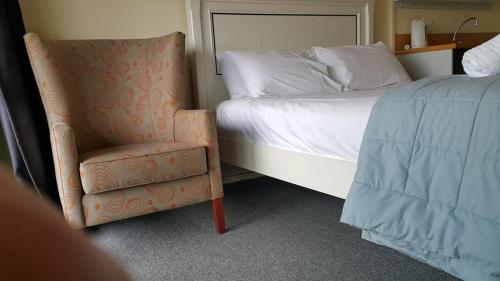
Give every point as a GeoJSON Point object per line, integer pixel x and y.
{"type": "Point", "coordinates": [218, 215]}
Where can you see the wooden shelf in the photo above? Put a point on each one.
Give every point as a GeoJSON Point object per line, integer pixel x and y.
{"type": "Point", "coordinates": [465, 40]}
{"type": "Point", "coordinates": [427, 49]}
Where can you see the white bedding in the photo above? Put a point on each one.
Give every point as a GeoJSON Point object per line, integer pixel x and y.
{"type": "Point", "coordinates": [329, 125]}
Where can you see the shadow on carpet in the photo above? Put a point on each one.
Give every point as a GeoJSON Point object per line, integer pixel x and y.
{"type": "Point", "coordinates": [277, 231]}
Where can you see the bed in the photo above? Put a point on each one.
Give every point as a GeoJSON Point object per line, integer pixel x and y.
{"type": "Point", "coordinates": [216, 26]}
{"type": "Point", "coordinates": [426, 179]}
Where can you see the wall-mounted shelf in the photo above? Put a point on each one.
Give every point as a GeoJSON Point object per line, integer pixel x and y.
{"type": "Point", "coordinates": [465, 40]}
{"type": "Point", "coordinates": [444, 4]}
{"type": "Point", "coordinates": [427, 49]}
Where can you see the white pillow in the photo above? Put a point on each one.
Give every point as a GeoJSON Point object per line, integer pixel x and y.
{"type": "Point", "coordinates": [362, 67]}
{"type": "Point", "coordinates": [281, 73]}
{"type": "Point", "coordinates": [483, 60]}
{"type": "Point", "coordinates": [232, 77]}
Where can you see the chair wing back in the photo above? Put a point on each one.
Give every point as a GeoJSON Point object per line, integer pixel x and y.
{"type": "Point", "coordinates": [110, 92]}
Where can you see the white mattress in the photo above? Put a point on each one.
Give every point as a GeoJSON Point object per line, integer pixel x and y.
{"type": "Point", "coordinates": [325, 125]}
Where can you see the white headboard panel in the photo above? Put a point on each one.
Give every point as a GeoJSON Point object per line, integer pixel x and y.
{"type": "Point", "coordinates": [252, 25]}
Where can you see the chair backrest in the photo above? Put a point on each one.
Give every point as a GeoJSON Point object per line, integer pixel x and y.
{"type": "Point", "coordinates": [111, 92]}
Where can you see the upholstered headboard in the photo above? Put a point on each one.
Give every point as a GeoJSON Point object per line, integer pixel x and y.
{"type": "Point", "coordinates": [220, 25]}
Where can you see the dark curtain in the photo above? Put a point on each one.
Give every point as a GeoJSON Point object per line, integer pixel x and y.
{"type": "Point", "coordinates": [21, 112]}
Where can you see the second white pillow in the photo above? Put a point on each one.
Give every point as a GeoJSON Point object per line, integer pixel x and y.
{"type": "Point", "coordinates": [362, 67]}
{"type": "Point", "coordinates": [483, 60]}
{"type": "Point", "coordinates": [280, 73]}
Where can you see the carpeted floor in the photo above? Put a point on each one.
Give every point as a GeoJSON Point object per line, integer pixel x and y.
{"type": "Point", "coordinates": [277, 231]}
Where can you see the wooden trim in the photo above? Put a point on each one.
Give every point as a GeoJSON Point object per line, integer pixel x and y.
{"type": "Point", "coordinates": [218, 215]}
{"type": "Point", "coordinates": [401, 40]}
{"type": "Point", "coordinates": [195, 44]}
{"type": "Point", "coordinates": [427, 49]}
{"type": "Point", "coordinates": [465, 40]}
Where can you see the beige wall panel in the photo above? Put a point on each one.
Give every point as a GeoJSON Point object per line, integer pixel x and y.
{"type": "Point", "coordinates": [383, 22]}
{"type": "Point", "coordinates": [446, 21]}
{"type": "Point", "coordinates": [257, 32]}
{"type": "Point", "coordinates": [253, 27]}
{"type": "Point", "coordinates": [83, 19]}
{"type": "Point", "coordinates": [99, 19]}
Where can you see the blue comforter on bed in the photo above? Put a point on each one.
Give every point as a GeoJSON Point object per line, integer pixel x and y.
{"type": "Point", "coordinates": [428, 177]}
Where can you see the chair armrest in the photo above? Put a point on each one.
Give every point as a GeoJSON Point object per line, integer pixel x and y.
{"type": "Point", "coordinates": [198, 126]}
{"type": "Point", "coordinates": [195, 126]}
{"type": "Point", "coordinates": [66, 165]}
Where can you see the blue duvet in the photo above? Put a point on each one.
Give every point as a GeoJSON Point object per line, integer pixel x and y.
{"type": "Point", "coordinates": [428, 177]}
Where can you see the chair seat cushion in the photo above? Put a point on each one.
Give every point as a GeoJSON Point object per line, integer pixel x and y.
{"type": "Point", "coordinates": [138, 164]}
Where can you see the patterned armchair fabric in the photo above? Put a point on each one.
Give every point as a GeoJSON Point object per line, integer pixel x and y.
{"type": "Point", "coordinates": [138, 164]}
{"type": "Point", "coordinates": [122, 144]}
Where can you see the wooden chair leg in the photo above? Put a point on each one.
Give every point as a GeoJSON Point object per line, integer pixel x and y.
{"type": "Point", "coordinates": [218, 215]}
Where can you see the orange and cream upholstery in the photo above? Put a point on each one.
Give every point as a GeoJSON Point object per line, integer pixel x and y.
{"type": "Point", "coordinates": [122, 143]}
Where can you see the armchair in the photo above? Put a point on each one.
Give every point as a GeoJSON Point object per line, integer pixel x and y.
{"type": "Point", "coordinates": [122, 143]}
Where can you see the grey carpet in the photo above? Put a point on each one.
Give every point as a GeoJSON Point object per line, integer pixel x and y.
{"type": "Point", "coordinates": [277, 231]}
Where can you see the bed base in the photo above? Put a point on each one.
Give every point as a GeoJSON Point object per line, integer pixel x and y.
{"type": "Point", "coordinates": [327, 175]}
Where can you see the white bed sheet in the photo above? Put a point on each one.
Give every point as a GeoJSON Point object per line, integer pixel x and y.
{"type": "Point", "coordinates": [330, 125]}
